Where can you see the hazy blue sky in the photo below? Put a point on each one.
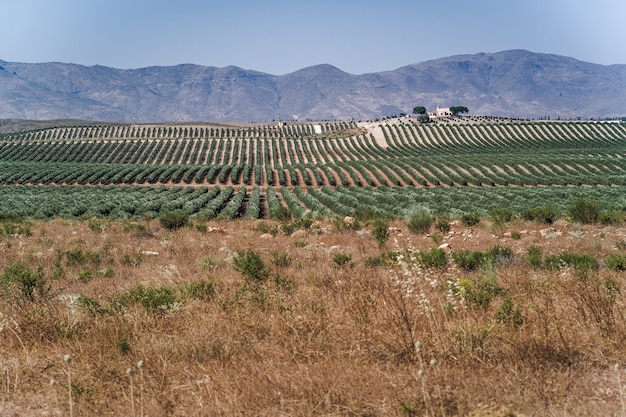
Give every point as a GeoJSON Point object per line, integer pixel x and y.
{"type": "Point", "coordinates": [279, 36]}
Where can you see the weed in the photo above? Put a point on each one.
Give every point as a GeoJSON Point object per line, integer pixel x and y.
{"type": "Point", "coordinates": [174, 219]}
{"type": "Point", "coordinates": [132, 260]}
{"type": "Point", "coordinates": [435, 259]}
{"type": "Point", "coordinates": [442, 224]}
{"type": "Point", "coordinates": [500, 216]}
{"type": "Point", "coordinates": [500, 255]}
{"type": "Point", "coordinates": [84, 276]}
{"type": "Point", "coordinates": [250, 264]}
{"type": "Point", "coordinates": [585, 211]}
{"type": "Point", "coordinates": [534, 257]}
{"type": "Point", "coordinates": [300, 244]}
{"type": "Point", "coordinates": [281, 259]}
{"type": "Point", "coordinates": [123, 345]}
{"type": "Point", "coordinates": [89, 305]}
{"type": "Point", "coordinates": [470, 219]}
{"type": "Point", "coordinates": [508, 313]}
{"type": "Point", "coordinates": [29, 281]}
{"type": "Point", "coordinates": [342, 260]}
{"type": "Point", "coordinates": [480, 292]}
{"type": "Point", "coordinates": [616, 262]}
{"type": "Point", "coordinates": [199, 290]}
{"type": "Point", "coordinates": [153, 299]}
{"type": "Point", "coordinates": [266, 228]}
{"type": "Point", "coordinates": [380, 232]}
{"type": "Point", "coordinates": [419, 221]}
{"type": "Point", "coordinates": [469, 260]}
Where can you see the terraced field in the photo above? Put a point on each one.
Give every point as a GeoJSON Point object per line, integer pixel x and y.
{"type": "Point", "coordinates": [337, 168]}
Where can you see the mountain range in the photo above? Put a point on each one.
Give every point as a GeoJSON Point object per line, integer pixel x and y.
{"type": "Point", "coordinates": [515, 83]}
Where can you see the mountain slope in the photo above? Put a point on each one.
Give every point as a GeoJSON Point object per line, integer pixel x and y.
{"type": "Point", "coordinates": [511, 83]}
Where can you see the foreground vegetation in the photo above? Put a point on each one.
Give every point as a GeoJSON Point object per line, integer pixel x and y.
{"type": "Point", "coordinates": [471, 269]}
{"type": "Point", "coordinates": [312, 317]}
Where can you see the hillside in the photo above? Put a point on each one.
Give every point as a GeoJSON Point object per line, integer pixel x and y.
{"type": "Point", "coordinates": [512, 83]}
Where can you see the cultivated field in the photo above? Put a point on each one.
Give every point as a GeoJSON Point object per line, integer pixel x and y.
{"type": "Point", "coordinates": [473, 268]}
{"type": "Point", "coordinates": [346, 168]}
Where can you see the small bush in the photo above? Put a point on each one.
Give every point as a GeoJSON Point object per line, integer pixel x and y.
{"type": "Point", "coordinates": [585, 211]}
{"type": "Point", "coordinates": [380, 232]}
{"type": "Point", "coordinates": [153, 299]}
{"type": "Point", "coordinates": [545, 214]}
{"type": "Point", "coordinates": [469, 260]}
{"type": "Point", "coordinates": [611, 218]}
{"type": "Point", "coordinates": [173, 220]}
{"type": "Point", "coordinates": [616, 262]}
{"type": "Point", "coordinates": [435, 259]}
{"type": "Point", "coordinates": [28, 281]}
{"type": "Point", "coordinates": [282, 214]}
{"type": "Point", "coordinates": [500, 216]}
{"type": "Point", "coordinates": [534, 257]}
{"type": "Point", "coordinates": [442, 224]}
{"type": "Point", "coordinates": [281, 259]}
{"type": "Point", "coordinates": [341, 260]}
{"type": "Point", "coordinates": [582, 263]}
{"type": "Point", "coordinates": [500, 254]}
{"type": "Point", "coordinates": [470, 219]}
{"type": "Point", "coordinates": [479, 293]}
{"type": "Point", "coordinates": [382, 260]}
{"type": "Point", "coordinates": [250, 264]}
{"type": "Point", "coordinates": [265, 228]}
{"type": "Point", "coordinates": [419, 221]}
{"type": "Point", "coordinates": [507, 313]}
{"type": "Point", "coordinates": [199, 290]}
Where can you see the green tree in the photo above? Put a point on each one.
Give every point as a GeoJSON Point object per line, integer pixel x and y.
{"type": "Point", "coordinates": [456, 110]}
{"type": "Point", "coordinates": [419, 110]}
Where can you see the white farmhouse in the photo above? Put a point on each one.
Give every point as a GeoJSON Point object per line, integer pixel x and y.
{"type": "Point", "coordinates": [441, 113]}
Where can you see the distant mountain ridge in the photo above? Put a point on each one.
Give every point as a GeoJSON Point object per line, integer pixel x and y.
{"type": "Point", "coordinates": [514, 83]}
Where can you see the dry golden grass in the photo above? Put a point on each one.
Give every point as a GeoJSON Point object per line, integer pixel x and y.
{"type": "Point", "coordinates": [316, 338]}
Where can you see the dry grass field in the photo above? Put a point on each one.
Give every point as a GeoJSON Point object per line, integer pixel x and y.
{"type": "Point", "coordinates": [229, 320]}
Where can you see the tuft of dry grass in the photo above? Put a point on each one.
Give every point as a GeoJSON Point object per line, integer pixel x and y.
{"type": "Point", "coordinates": [312, 337]}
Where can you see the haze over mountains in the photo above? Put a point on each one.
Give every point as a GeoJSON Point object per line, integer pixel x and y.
{"type": "Point", "coordinates": [513, 83]}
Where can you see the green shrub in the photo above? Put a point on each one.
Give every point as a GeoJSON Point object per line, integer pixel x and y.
{"type": "Point", "coordinates": [479, 293]}
{"type": "Point", "coordinates": [380, 232]}
{"type": "Point", "coordinates": [250, 264]}
{"type": "Point", "coordinates": [616, 262]}
{"type": "Point", "coordinates": [500, 254]}
{"type": "Point", "coordinates": [582, 263]}
{"type": "Point", "coordinates": [534, 257]}
{"type": "Point", "coordinates": [89, 305]}
{"type": "Point", "coordinates": [469, 260]}
{"type": "Point", "coordinates": [28, 281]}
{"type": "Point", "coordinates": [442, 224]}
{"type": "Point", "coordinates": [153, 299]}
{"type": "Point", "coordinates": [382, 260]}
{"type": "Point", "coordinates": [507, 313]}
{"type": "Point", "coordinates": [282, 214]}
{"type": "Point", "coordinates": [435, 259]}
{"type": "Point", "coordinates": [199, 290]}
{"type": "Point", "coordinates": [173, 220]}
{"type": "Point", "coordinates": [585, 211]}
{"type": "Point", "coordinates": [500, 216]}
{"type": "Point", "coordinates": [281, 259]}
{"type": "Point", "coordinates": [85, 276]}
{"type": "Point", "coordinates": [419, 221]}
{"type": "Point", "coordinates": [341, 260]}
{"type": "Point", "coordinates": [470, 219]}
{"type": "Point", "coordinates": [611, 217]}
{"type": "Point", "coordinates": [545, 214]}
{"type": "Point", "coordinates": [266, 228]}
